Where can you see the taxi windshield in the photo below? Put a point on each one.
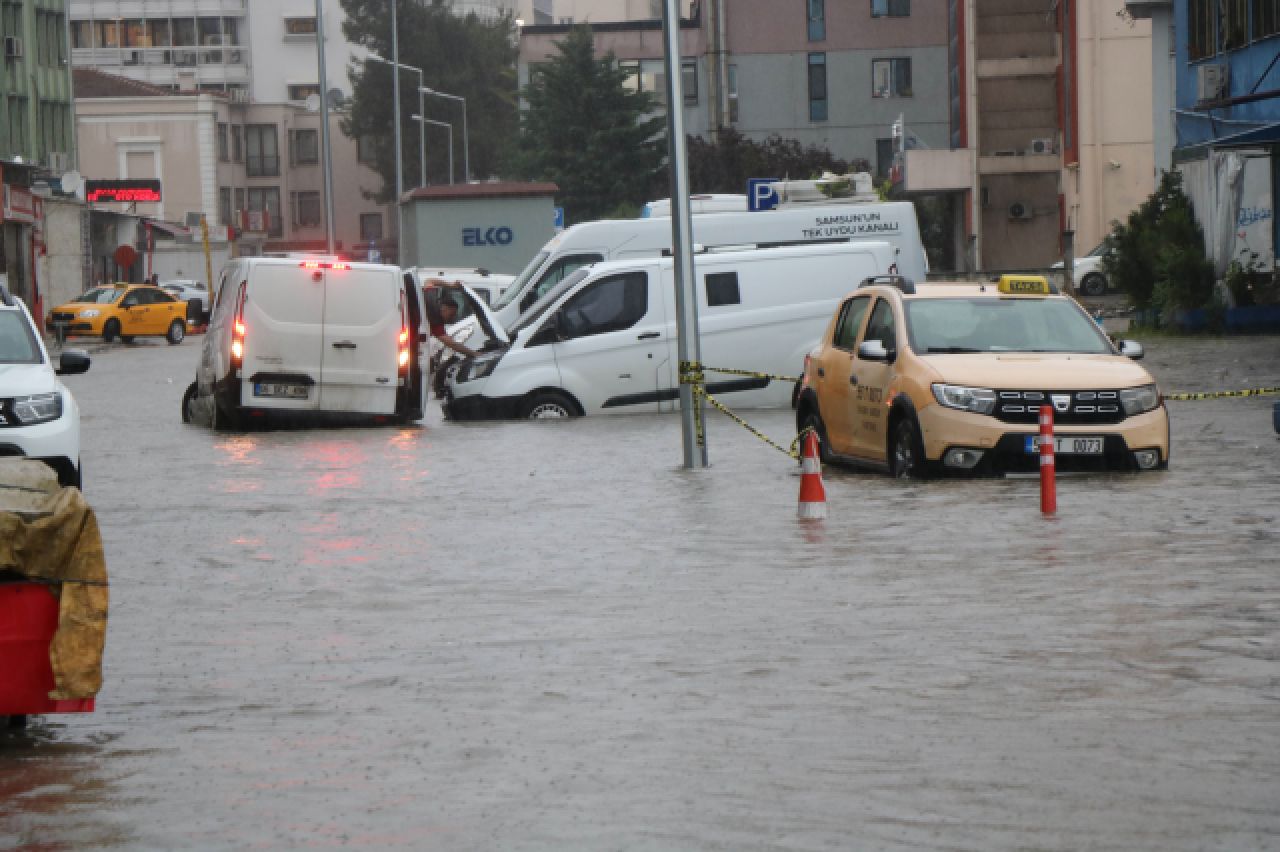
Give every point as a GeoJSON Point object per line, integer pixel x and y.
{"type": "Point", "coordinates": [517, 286]}
{"type": "Point", "coordinates": [538, 308]}
{"type": "Point", "coordinates": [101, 295]}
{"type": "Point", "coordinates": [960, 326]}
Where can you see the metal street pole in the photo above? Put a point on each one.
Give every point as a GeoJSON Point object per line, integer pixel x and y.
{"type": "Point", "coordinates": [326, 156]}
{"type": "Point", "coordinates": [422, 143]}
{"type": "Point", "coordinates": [466, 143]}
{"type": "Point", "coordinates": [395, 94]}
{"type": "Point", "coordinates": [692, 413]}
{"type": "Point", "coordinates": [421, 129]}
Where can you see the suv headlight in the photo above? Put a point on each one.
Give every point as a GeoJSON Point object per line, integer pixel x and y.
{"type": "Point", "coordinates": [977, 400]}
{"type": "Point", "coordinates": [40, 408]}
{"type": "Point", "coordinates": [1138, 400]}
{"type": "Point", "coordinates": [480, 368]}
{"type": "Point", "coordinates": [90, 313]}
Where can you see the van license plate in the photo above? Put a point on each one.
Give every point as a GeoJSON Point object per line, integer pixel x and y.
{"type": "Point", "coordinates": [279, 390]}
{"type": "Point", "coordinates": [1069, 445]}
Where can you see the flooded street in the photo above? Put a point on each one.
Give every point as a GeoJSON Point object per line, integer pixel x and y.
{"type": "Point", "coordinates": [549, 636]}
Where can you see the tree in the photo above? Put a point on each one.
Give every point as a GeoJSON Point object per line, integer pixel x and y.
{"type": "Point", "coordinates": [464, 56]}
{"type": "Point", "coordinates": [587, 132]}
{"type": "Point", "coordinates": [725, 163]}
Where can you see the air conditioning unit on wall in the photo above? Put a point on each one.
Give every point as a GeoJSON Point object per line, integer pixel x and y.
{"type": "Point", "coordinates": [1020, 210]}
{"type": "Point", "coordinates": [1212, 80]}
{"type": "Point", "coordinates": [1044, 145]}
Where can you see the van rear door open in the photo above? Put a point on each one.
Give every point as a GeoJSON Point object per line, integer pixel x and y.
{"type": "Point", "coordinates": [362, 320]}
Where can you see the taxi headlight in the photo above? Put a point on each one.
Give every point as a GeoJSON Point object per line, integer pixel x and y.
{"type": "Point", "coordinates": [480, 368]}
{"type": "Point", "coordinates": [90, 313]}
{"type": "Point", "coordinates": [1138, 400]}
{"type": "Point", "coordinates": [40, 408]}
{"type": "Point", "coordinates": [977, 400]}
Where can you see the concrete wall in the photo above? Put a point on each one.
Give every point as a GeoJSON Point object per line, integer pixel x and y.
{"type": "Point", "coordinates": [281, 60]}
{"type": "Point", "coordinates": [62, 270]}
{"type": "Point", "coordinates": [1010, 243]}
{"type": "Point", "coordinates": [437, 232]}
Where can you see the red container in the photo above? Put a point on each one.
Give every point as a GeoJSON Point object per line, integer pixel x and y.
{"type": "Point", "coordinates": [28, 619]}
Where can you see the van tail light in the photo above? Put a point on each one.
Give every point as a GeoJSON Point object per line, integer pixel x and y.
{"type": "Point", "coordinates": [403, 353]}
{"type": "Point", "coordinates": [238, 329]}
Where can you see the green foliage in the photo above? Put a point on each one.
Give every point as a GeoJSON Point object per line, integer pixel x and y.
{"type": "Point", "coordinates": [584, 130]}
{"type": "Point", "coordinates": [1158, 256]}
{"type": "Point", "coordinates": [724, 164]}
{"type": "Point", "coordinates": [461, 55]}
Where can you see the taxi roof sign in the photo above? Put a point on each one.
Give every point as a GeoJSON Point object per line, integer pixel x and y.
{"type": "Point", "coordinates": [1025, 285]}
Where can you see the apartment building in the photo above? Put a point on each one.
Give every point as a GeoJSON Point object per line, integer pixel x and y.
{"type": "Point", "coordinates": [833, 74]}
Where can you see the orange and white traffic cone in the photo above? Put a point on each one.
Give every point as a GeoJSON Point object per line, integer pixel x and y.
{"type": "Point", "coordinates": [813, 497]}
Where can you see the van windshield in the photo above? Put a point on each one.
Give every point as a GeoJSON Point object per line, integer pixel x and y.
{"type": "Point", "coordinates": [515, 288]}
{"type": "Point", "coordinates": [538, 308]}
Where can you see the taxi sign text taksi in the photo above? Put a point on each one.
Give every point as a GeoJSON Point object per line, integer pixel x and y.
{"type": "Point", "coordinates": [1025, 285]}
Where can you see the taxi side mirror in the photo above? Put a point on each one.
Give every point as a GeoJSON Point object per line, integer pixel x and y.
{"type": "Point", "coordinates": [1132, 349]}
{"type": "Point", "coordinates": [72, 361]}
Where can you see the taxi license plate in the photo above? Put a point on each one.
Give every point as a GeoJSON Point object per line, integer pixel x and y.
{"type": "Point", "coordinates": [278, 390]}
{"type": "Point", "coordinates": [1069, 445]}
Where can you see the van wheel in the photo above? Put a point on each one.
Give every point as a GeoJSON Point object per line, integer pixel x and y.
{"type": "Point", "coordinates": [224, 419]}
{"type": "Point", "coordinates": [177, 331]}
{"type": "Point", "coordinates": [187, 399]}
{"type": "Point", "coordinates": [906, 450]}
{"type": "Point", "coordinates": [111, 331]}
{"type": "Point", "coordinates": [1094, 284]}
{"type": "Point", "coordinates": [548, 405]}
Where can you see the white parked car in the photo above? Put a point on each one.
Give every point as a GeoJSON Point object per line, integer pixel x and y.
{"type": "Point", "coordinates": [39, 417]}
{"type": "Point", "coordinates": [1090, 279]}
{"type": "Point", "coordinates": [191, 292]}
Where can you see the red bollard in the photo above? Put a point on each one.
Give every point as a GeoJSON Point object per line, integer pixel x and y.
{"type": "Point", "coordinates": [1048, 472]}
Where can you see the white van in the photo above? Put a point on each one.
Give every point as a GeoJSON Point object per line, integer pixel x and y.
{"type": "Point", "coordinates": [707, 202]}
{"type": "Point", "coordinates": [604, 341]}
{"type": "Point", "coordinates": [613, 239]}
{"type": "Point", "coordinates": [309, 338]}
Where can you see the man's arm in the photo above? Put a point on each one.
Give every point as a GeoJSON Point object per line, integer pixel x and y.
{"type": "Point", "coordinates": [446, 340]}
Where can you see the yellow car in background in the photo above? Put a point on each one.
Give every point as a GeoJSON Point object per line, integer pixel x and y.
{"type": "Point", "coordinates": [122, 311]}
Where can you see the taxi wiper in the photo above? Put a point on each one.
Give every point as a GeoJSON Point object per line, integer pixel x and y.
{"type": "Point", "coordinates": [951, 350]}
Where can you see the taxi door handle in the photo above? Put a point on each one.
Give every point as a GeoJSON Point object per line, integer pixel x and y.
{"type": "Point", "coordinates": [822, 374]}
{"type": "Point", "coordinates": [853, 380]}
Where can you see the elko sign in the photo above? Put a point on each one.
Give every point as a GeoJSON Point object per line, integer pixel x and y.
{"type": "Point", "coordinates": [127, 190]}
{"type": "Point", "coordinates": [500, 236]}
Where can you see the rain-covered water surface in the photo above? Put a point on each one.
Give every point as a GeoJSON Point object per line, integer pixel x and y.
{"type": "Point", "coordinates": [549, 636]}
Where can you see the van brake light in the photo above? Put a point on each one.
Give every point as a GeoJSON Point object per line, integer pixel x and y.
{"type": "Point", "coordinates": [323, 264]}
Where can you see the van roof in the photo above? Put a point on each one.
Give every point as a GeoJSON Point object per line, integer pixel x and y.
{"type": "Point", "coordinates": [302, 261]}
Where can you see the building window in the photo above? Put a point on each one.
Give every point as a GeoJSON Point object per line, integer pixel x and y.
{"type": "Point", "coordinates": [817, 20]}
{"type": "Point", "coordinates": [224, 154]}
{"type": "Point", "coordinates": [367, 151]}
{"type": "Point", "coordinates": [306, 209]}
{"type": "Point", "coordinates": [1266, 18]}
{"type": "Point", "coordinates": [890, 8]}
{"type": "Point", "coordinates": [239, 202]}
{"type": "Point", "coordinates": [300, 26]}
{"type": "Point", "coordinates": [267, 198]}
{"type": "Point", "coordinates": [262, 156]}
{"type": "Point", "coordinates": [304, 147]}
{"type": "Point", "coordinates": [1200, 29]}
{"type": "Point", "coordinates": [891, 78]}
{"type": "Point", "coordinates": [158, 32]}
{"type": "Point", "coordinates": [1235, 23]}
{"type": "Point", "coordinates": [370, 227]}
{"type": "Point", "coordinates": [237, 147]}
{"type": "Point", "coordinates": [884, 157]}
{"type": "Point", "coordinates": [106, 34]}
{"type": "Point", "coordinates": [689, 81]}
{"type": "Point", "coordinates": [817, 87]}
{"type": "Point", "coordinates": [224, 205]}
{"type": "Point", "coordinates": [302, 91]}
{"type": "Point", "coordinates": [82, 34]}
{"type": "Point", "coordinates": [646, 75]}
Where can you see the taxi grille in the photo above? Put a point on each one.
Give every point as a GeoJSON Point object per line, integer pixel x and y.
{"type": "Point", "coordinates": [1081, 406]}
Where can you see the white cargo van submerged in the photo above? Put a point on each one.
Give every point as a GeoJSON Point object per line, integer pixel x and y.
{"type": "Point", "coordinates": [604, 340]}
{"type": "Point", "coordinates": [893, 222]}
{"type": "Point", "coordinates": [313, 338]}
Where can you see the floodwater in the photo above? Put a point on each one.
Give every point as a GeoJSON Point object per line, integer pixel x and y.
{"type": "Point", "coordinates": [547, 636]}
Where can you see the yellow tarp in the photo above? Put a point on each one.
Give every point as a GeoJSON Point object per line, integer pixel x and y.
{"type": "Point", "coordinates": [49, 534]}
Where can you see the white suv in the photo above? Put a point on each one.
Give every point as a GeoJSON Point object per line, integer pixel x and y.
{"type": "Point", "coordinates": [38, 416]}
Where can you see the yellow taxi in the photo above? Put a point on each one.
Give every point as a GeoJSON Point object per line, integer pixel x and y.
{"type": "Point", "coordinates": [950, 377]}
{"type": "Point", "coordinates": [123, 311]}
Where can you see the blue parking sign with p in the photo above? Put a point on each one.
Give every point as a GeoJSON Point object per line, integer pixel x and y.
{"type": "Point", "coordinates": [760, 194]}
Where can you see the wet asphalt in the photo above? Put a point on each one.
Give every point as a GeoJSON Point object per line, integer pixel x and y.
{"type": "Point", "coordinates": [549, 636]}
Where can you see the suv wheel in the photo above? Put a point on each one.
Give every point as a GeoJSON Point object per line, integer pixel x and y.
{"type": "Point", "coordinates": [906, 450]}
{"type": "Point", "coordinates": [1094, 284]}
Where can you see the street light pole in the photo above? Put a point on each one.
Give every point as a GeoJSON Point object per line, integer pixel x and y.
{"type": "Point", "coordinates": [395, 94]}
{"type": "Point", "coordinates": [324, 132]}
{"type": "Point", "coordinates": [466, 144]}
{"type": "Point", "coordinates": [421, 120]}
{"type": "Point", "coordinates": [422, 142]}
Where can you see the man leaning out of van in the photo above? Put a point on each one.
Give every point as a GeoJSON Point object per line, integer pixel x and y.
{"type": "Point", "coordinates": [442, 311]}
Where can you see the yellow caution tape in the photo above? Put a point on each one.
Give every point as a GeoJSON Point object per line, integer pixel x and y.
{"type": "Point", "coordinates": [691, 373]}
{"type": "Point", "coordinates": [702, 367]}
{"type": "Point", "coordinates": [1183, 397]}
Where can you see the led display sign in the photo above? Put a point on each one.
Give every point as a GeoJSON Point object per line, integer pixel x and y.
{"type": "Point", "coordinates": [128, 190]}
